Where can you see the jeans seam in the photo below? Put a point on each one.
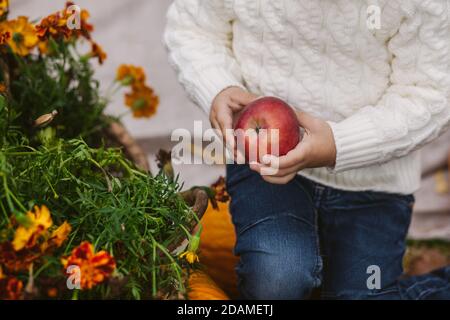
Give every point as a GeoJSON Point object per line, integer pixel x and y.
{"type": "Point", "coordinates": [431, 290]}
{"type": "Point", "coordinates": [319, 264]}
{"type": "Point", "coordinates": [272, 217]}
{"type": "Point", "coordinates": [419, 283]}
{"type": "Point", "coordinates": [382, 291]}
{"type": "Point", "coordinates": [300, 185]}
{"type": "Point", "coordinates": [249, 226]}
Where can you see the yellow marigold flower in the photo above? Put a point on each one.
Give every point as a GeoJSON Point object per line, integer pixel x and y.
{"type": "Point", "coordinates": [142, 101]}
{"type": "Point", "coordinates": [94, 267]}
{"type": "Point", "coordinates": [60, 234]}
{"type": "Point", "coordinates": [23, 35]}
{"type": "Point", "coordinates": [131, 75]}
{"type": "Point", "coordinates": [191, 257]}
{"type": "Point", "coordinates": [57, 237]}
{"type": "Point", "coordinates": [43, 47]}
{"type": "Point", "coordinates": [191, 254]}
{"type": "Point", "coordinates": [39, 222]}
{"type": "Point", "coordinates": [97, 52]}
{"type": "Point", "coordinates": [4, 7]}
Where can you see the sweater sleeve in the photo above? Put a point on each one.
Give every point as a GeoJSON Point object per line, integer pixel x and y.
{"type": "Point", "coordinates": [198, 37]}
{"type": "Point", "coordinates": [415, 108]}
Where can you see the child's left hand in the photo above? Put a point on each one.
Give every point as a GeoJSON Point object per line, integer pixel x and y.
{"type": "Point", "coordinates": [317, 149]}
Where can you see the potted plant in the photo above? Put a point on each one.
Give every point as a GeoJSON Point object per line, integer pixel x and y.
{"type": "Point", "coordinates": [81, 216]}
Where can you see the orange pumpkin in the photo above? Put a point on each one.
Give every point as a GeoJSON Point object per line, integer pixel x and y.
{"type": "Point", "coordinates": [202, 287]}
{"type": "Point", "coordinates": [216, 248]}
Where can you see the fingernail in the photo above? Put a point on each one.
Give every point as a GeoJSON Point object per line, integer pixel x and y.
{"type": "Point", "coordinates": [254, 165]}
{"type": "Point", "coordinates": [266, 159]}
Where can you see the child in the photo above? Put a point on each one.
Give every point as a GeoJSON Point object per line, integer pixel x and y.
{"type": "Point", "coordinates": [337, 213]}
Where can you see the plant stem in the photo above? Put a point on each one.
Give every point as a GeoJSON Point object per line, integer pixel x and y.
{"type": "Point", "coordinates": [10, 195]}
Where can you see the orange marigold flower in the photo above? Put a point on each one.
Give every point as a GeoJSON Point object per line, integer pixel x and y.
{"type": "Point", "coordinates": [23, 37]}
{"type": "Point", "coordinates": [54, 25]}
{"type": "Point", "coordinates": [39, 222]}
{"type": "Point", "coordinates": [131, 75]}
{"type": "Point", "coordinates": [4, 36]}
{"type": "Point", "coordinates": [4, 7]}
{"type": "Point", "coordinates": [17, 261]}
{"type": "Point", "coordinates": [57, 25]}
{"type": "Point", "coordinates": [142, 101]}
{"type": "Point", "coordinates": [2, 88]}
{"type": "Point", "coordinates": [86, 28]}
{"type": "Point", "coordinates": [10, 287]}
{"type": "Point", "coordinates": [220, 189]}
{"type": "Point", "coordinates": [52, 292]}
{"type": "Point", "coordinates": [97, 52]}
{"type": "Point", "coordinates": [94, 267]}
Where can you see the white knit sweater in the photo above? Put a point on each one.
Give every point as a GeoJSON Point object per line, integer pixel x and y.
{"type": "Point", "coordinates": [385, 92]}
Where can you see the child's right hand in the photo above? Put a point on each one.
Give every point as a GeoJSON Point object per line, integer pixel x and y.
{"type": "Point", "coordinates": [227, 103]}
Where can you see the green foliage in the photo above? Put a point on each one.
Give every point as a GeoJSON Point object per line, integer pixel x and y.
{"type": "Point", "coordinates": [62, 81]}
{"type": "Point", "coordinates": [66, 166]}
{"type": "Point", "coordinates": [107, 201]}
{"type": "Point", "coordinates": [440, 244]}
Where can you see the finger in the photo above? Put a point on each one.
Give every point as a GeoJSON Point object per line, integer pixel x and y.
{"type": "Point", "coordinates": [270, 163]}
{"type": "Point", "coordinates": [212, 118]}
{"type": "Point", "coordinates": [214, 124]}
{"type": "Point", "coordinates": [279, 180]}
{"type": "Point", "coordinates": [255, 167]}
{"type": "Point", "coordinates": [291, 159]}
{"type": "Point", "coordinates": [279, 173]}
{"type": "Point", "coordinates": [235, 107]}
{"type": "Point", "coordinates": [243, 98]}
{"type": "Point", "coordinates": [226, 126]}
{"type": "Point", "coordinates": [225, 122]}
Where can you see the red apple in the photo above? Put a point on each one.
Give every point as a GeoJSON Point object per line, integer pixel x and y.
{"type": "Point", "coordinates": [267, 113]}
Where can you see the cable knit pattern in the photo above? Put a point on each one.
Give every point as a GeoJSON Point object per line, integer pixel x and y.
{"type": "Point", "coordinates": [384, 92]}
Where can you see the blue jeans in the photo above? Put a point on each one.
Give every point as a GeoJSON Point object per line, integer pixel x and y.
{"type": "Point", "coordinates": [294, 238]}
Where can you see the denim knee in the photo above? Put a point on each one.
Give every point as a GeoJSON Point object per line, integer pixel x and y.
{"type": "Point", "coordinates": [279, 259]}
{"type": "Point", "coordinates": [270, 277]}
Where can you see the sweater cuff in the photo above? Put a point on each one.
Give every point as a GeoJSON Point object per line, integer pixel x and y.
{"type": "Point", "coordinates": [357, 143]}
{"type": "Point", "coordinates": [209, 83]}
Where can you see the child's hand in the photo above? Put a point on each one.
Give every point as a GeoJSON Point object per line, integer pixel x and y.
{"type": "Point", "coordinates": [317, 149]}
{"type": "Point", "coordinates": [225, 105]}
